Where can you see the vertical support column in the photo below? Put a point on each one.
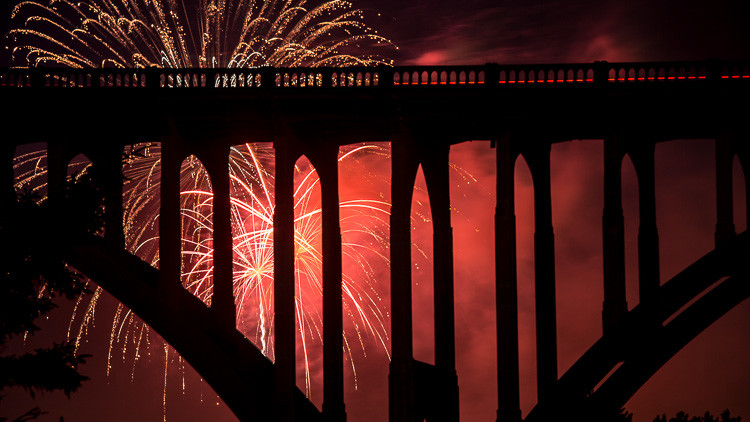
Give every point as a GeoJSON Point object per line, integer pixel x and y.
{"type": "Point", "coordinates": [333, 341]}
{"type": "Point", "coordinates": [724, 207]}
{"type": "Point", "coordinates": [222, 301]}
{"type": "Point", "coordinates": [648, 235]}
{"type": "Point", "coordinates": [744, 157]}
{"type": "Point", "coordinates": [401, 376]}
{"type": "Point", "coordinates": [283, 255]}
{"type": "Point", "coordinates": [111, 173]}
{"type": "Point", "coordinates": [615, 306]}
{"type": "Point", "coordinates": [57, 170]}
{"type": "Point", "coordinates": [544, 270]}
{"type": "Point", "coordinates": [506, 293]}
{"type": "Point", "coordinates": [169, 218]}
{"type": "Point", "coordinates": [8, 191]}
{"type": "Point", "coordinates": [436, 170]}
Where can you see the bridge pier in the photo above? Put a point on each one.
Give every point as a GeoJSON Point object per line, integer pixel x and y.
{"type": "Point", "coordinates": [615, 306]}
{"type": "Point", "coordinates": [170, 238]}
{"type": "Point", "coordinates": [506, 292]}
{"type": "Point", "coordinates": [724, 205]}
{"type": "Point", "coordinates": [744, 155]}
{"type": "Point", "coordinates": [109, 164]}
{"type": "Point", "coordinates": [222, 300]}
{"type": "Point", "coordinates": [333, 342]}
{"type": "Point", "coordinates": [57, 171]}
{"type": "Point", "coordinates": [538, 159]}
{"type": "Point", "coordinates": [7, 178]}
{"type": "Point", "coordinates": [401, 375]}
{"type": "Point", "coordinates": [436, 171]}
{"type": "Point", "coordinates": [284, 301]}
{"type": "Point", "coordinates": [648, 236]}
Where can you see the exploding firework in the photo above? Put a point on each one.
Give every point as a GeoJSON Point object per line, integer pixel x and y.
{"type": "Point", "coordinates": [175, 34]}
{"type": "Point", "coordinates": [234, 34]}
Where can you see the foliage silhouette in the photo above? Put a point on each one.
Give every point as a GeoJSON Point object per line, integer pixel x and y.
{"type": "Point", "coordinates": [32, 275]}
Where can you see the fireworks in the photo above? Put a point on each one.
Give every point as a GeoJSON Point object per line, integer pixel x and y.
{"type": "Point", "coordinates": [233, 34]}
{"type": "Point", "coordinates": [176, 34]}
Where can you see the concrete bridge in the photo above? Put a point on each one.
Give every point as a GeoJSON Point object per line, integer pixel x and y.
{"type": "Point", "coordinates": [422, 111]}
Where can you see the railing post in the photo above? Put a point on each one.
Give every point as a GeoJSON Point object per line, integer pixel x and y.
{"type": "Point", "coordinates": [283, 281]}
{"type": "Point", "coordinates": [613, 238]}
{"type": "Point", "coordinates": [544, 271]}
{"type": "Point", "coordinates": [334, 409]}
{"type": "Point", "coordinates": [506, 293]}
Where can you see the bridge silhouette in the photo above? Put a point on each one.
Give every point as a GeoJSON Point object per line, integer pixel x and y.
{"type": "Point", "coordinates": [521, 109]}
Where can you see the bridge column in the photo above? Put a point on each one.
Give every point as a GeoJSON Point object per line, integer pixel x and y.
{"type": "Point", "coordinates": [401, 376]}
{"type": "Point", "coordinates": [57, 171]}
{"type": "Point", "coordinates": [544, 270]}
{"type": "Point", "coordinates": [222, 300]}
{"type": "Point", "coordinates": [110, 169]}
{"type": "Point", "coordinates": [8, 194]}
{"type": "Point", "coordinates": [436, 171]}
{"type": "Point", "coordinates": [333, 327]}
{"type": "Point", "coordinates": [506, 292]}
{"type": "Point", "coordinates": [284, 302]}
{"type": "Point", "coordinates": [743, 154]}
{"type": "Point", "coordinates": [648, 235]}
{"type": "Point", "coordinates": [615, 306]}
{"type": "Point", "coordinates": [170, 238]}
{"type": "Point", "coordinates": [724, 208]}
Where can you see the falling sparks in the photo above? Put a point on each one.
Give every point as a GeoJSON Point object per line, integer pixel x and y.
{"type": "Point", "coordinates": [170, 34]}
{"type": "Point", "coordinates": [209, 34]}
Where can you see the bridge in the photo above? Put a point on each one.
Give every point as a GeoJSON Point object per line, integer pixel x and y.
{"type": "Point", "coordinates": [521, 109]}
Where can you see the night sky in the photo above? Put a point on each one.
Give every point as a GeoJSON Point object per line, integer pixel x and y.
{"type": "Point", "coordinates": [710, 374]}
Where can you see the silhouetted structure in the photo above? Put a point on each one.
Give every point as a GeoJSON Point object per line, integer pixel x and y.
{"type": "Point", "coordinates": [422, 111]}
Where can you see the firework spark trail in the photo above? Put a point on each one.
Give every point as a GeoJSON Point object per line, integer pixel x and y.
{"type": "Point", "coordinates": [230, 33]}
{"type": "Point", "coordinates": [363, 222]}
{"type": "Point", "coordinates": [236, 33]}
{"type": "Point", "coordinates": [252, 223]}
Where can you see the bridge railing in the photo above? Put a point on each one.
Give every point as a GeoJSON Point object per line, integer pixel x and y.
{"type": "Point", "coordinates": [488, 75]}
